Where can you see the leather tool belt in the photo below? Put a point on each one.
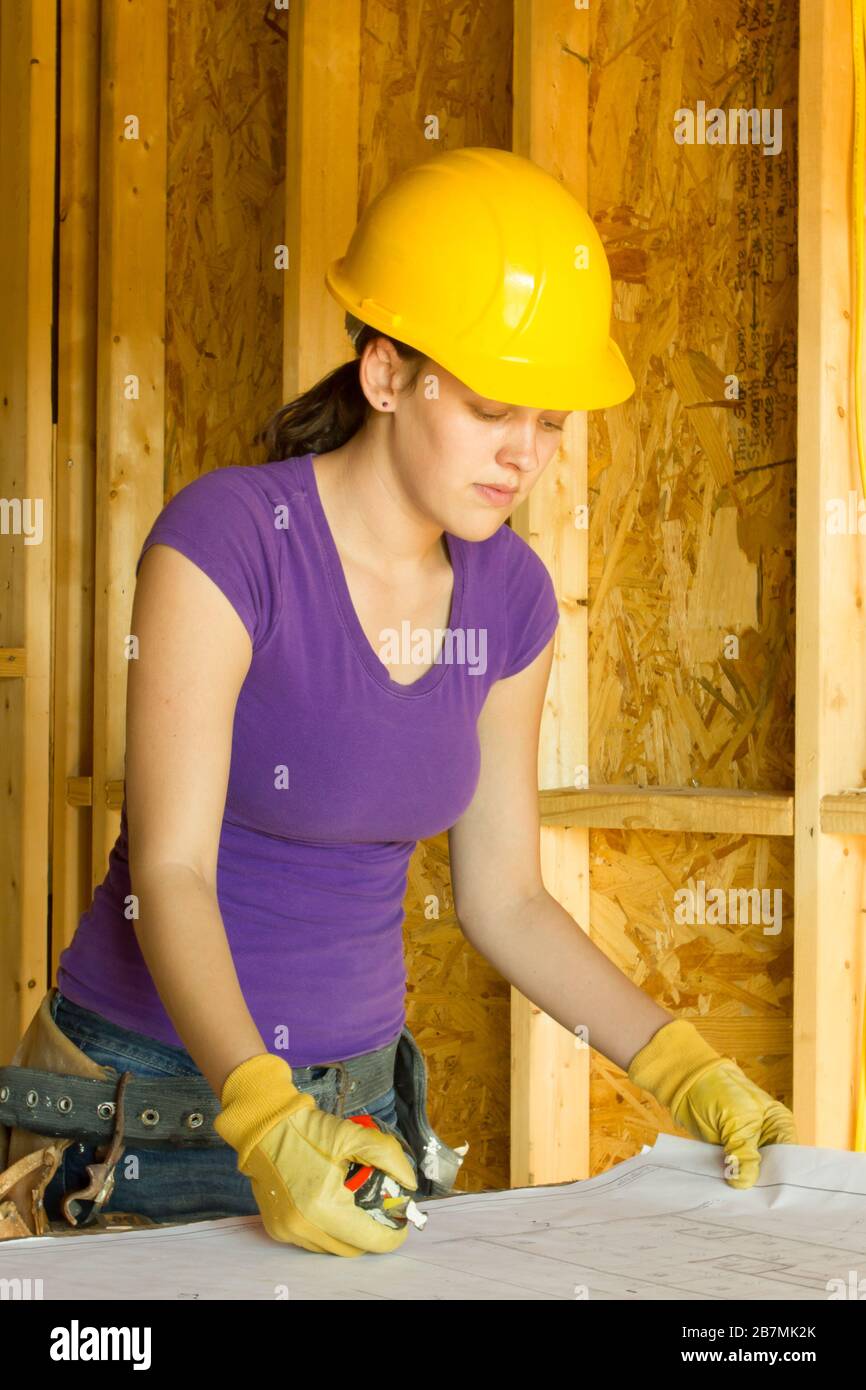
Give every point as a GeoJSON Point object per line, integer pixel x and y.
{"type": "Point", "coordinates": [156, 1110]}
{"type": "Point", "coordinates": [98, 1106]}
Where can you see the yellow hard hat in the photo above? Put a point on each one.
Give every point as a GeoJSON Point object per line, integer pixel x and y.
{"type": "Point", "coordinates": [489, 266]}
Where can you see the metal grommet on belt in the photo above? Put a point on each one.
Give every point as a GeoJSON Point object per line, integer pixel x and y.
{"type": "Point", "coordinates": [64, 1104]}
{"type": "Point", "coordinates": [105, 1109]}
{"type": "Point", "coordinates": [31, 1098]}
{"type": "Point", "coordinates": [194, 1120]}
{"type": "Point", "coordinates": [150, 1117]}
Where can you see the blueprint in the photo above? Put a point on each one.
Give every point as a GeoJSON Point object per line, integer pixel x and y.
{"type": "Point", "coordinates": [662, 1225]}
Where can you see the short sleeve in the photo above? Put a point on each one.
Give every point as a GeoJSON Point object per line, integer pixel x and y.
{"type": "Point", "coordinates": [224, 523]}
{"type": "Point", "coordinates": [531, 607]}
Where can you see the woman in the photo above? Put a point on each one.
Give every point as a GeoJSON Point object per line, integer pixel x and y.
{"type": "Point", "coordinates": [339, 652]}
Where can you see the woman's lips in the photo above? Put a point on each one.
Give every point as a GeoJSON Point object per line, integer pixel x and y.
{"type": "Point", "coordinates": [499, 496]}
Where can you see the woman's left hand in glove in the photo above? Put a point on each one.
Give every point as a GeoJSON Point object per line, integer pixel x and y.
{"type": "Point", "coordinates": [711, 1097]}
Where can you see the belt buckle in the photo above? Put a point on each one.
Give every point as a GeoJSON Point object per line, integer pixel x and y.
{"type": "Point", "coordinates": [101, 1183]}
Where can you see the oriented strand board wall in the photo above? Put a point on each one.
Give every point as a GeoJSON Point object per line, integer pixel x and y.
{"type": "Point", "coordinates": [452, 62]}
{"type": "Point", "coordinates": [458, 1008]}
{"type": "Point", "coordinates": [719, 973]}
{"type": "Point", "coordinates": [226, 176]}
{"type": "Point", "coordinates": [692, 525]}
{"type": "Point", "coordinates": [430, 58]}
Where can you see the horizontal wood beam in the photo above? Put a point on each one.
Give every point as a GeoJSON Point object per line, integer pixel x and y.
{"type": "Point", "coordinates": [79, 792]}
{"type": "Point", "coordinates": [708, 810]}
{"type": "Point", "coordinates": [844, 813]}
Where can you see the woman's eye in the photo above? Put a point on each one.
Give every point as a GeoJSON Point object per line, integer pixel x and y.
{"type": "Point", "coordinates": [485, 415]}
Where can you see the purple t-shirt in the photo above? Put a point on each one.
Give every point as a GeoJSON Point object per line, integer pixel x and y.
{"type": "Point", "coordinates": [337, 771]}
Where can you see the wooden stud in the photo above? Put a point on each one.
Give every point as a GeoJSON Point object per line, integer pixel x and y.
{"type": "Point", "coordinates": [28, 81]}
{"type": "Point", "coordinates": [131, 360]}
{"type": "Point", "coordinates": [73, 734]}
{"type": "Point", "coordinates": [830, 925]}
{"type": "Point", "coordinates": [321, 200]}
{"type": "Point", "coordinates": [550, 1073]}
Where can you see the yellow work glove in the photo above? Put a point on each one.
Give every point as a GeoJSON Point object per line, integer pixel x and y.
{"type": "Point", "coordinates": [711, 1097]}
{"type": "Point", "coordinates": [297, 1156]}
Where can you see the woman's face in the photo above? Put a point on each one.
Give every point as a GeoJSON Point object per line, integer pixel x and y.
{"type": "Point", "coordinates": [466, 460]}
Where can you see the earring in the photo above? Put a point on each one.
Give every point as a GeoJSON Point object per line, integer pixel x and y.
{"type": "Point", "coordinates": [384, 402]}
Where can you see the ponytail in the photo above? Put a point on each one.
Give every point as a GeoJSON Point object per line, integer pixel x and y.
{"type": "Point", "coordinates": [331, 412]}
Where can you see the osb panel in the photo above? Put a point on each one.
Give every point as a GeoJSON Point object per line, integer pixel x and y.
{"type": "Point", "coordinates": [452, 62]}
{"type": "Point", "coordinates": [696, 969]}
{"type": "Point", "coordinates": [692, 524]}
{"type": "Point", "coordinates": [458, 1008]}
{"type": "Point", "coordinates": [430, 59]}
{"type": "Point", "coordinates": [226, 176]}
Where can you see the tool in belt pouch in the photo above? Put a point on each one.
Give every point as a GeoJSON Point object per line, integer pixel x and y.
{"type": "Point", "coordinates": [52, 1088]}
{"type": "Point", "coordinates": [437, 1162]}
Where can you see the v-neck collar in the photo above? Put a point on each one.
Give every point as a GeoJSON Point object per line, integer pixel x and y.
{"type": "Point", "coordinates": [431, 678]}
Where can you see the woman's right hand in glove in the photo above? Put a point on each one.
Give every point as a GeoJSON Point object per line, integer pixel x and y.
{"type": "Point", "coordinates": [297, 1156]}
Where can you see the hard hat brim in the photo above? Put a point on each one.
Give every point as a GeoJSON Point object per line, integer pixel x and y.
{"type": "Point", "coordinates": [581, 383]}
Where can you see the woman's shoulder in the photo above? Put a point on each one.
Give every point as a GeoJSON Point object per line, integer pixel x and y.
{"type": "Point", "coordinates": [246, 481]}
{"type": "Point", "coordinates": [246, 497]}
{"type": "Point", "coordinates": [229, 522]}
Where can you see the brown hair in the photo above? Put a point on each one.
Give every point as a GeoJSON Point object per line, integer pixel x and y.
{"type": "Point", "coordinates": [327, 415]}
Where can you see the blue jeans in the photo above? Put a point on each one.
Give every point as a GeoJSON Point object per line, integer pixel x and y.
{"type": "Point", "coordinates": [164, 1183]}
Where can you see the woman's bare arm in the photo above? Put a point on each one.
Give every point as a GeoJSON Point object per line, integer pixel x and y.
{"type": "Point", "coordinates": [193, 656]}
{"type": "Point", "coordinates": [499, 894]}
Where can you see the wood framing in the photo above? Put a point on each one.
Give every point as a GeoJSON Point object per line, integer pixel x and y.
{"type": "Point", "coordinates": [550, 1069]}
{"type": "Point", "coordinates": [28, 95]}
{"type": "Point", "coordinates": [72, 866]}
{"type": "Point", "coordinates": [321, 208]}
{"type": "Point", "coordinates": [130, 406]}
{"type": "Point", "coordinates": [831, 623]}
